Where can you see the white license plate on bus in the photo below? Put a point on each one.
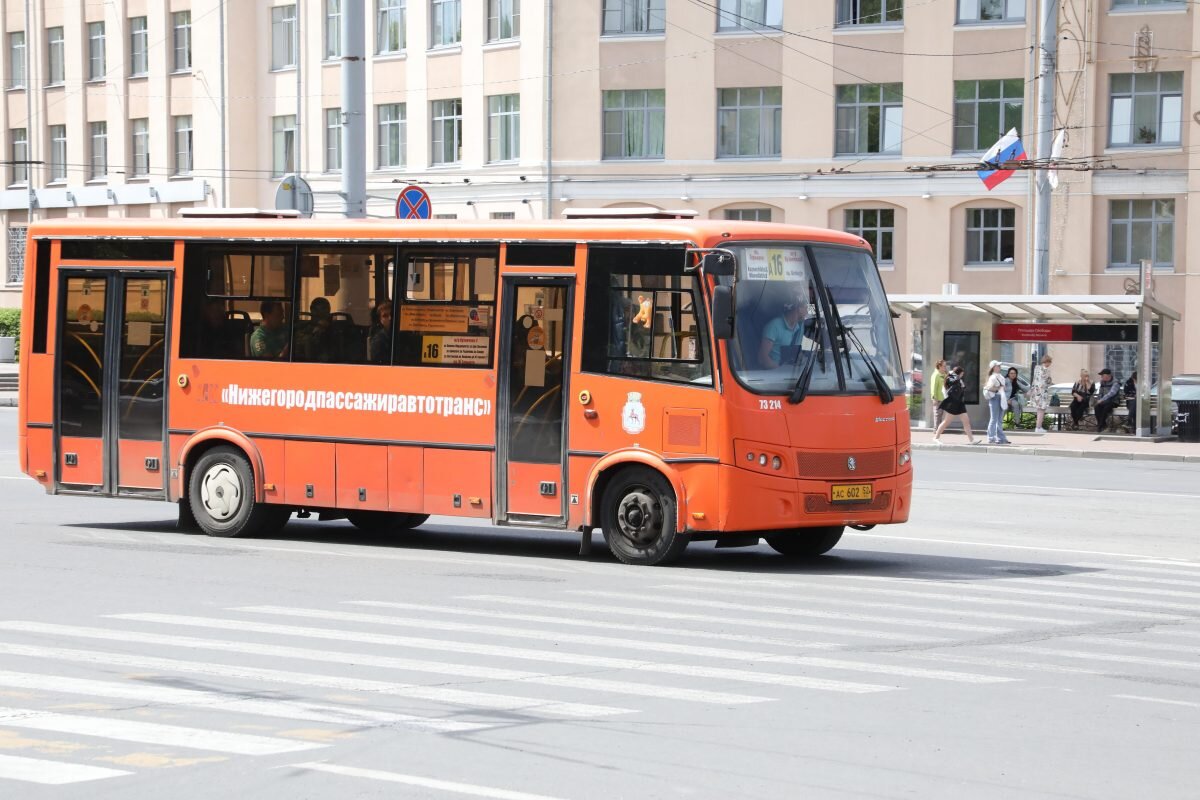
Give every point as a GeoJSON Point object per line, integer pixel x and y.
{"type": "Point", "coordinates": [851, 493]}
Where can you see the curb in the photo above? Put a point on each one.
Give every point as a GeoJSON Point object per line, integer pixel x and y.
{"type": "Point", "coordinates": [1060, 453]}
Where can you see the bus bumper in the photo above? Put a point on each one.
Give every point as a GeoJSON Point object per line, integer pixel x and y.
{"type": "Point", "coordinates": [752, 501]}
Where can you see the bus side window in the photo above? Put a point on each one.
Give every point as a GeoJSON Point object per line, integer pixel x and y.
{"type": "Point", "coordinates": [447, 313]}
{"type": "Point", "coordinates": [645, 316]}
{"type": "Point", "coordinates": [343, 309]}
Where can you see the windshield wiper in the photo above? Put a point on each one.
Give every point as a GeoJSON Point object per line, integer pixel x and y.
{"type": "Point", "coordinates": [885, 391]}
{"type": "Point", "coordinates": [800, 391]}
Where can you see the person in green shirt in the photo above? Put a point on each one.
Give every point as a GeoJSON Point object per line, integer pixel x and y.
{"type": "Point", "coordinates": [937, 391]}
{"type": "Point", "coordinates": [270, 339]}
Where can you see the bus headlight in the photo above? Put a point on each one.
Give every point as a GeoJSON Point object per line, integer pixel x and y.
{"type": "Point", "coordinates": [905, 457]}
{"type": "Point", "coordinates": [776, 463]}
{"type": "Point", "coordinates": [762, 460]}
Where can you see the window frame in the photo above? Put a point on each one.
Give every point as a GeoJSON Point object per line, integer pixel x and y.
{"type": "Point", "coordinates": [139, 141]}
{"type": "Point", "coordinates": [333, 140]}
{"type": "Point", "coordinates": [859, 106]}
{"type": "Point", "coordinates": [97, 51]}
{"type": "Point", "coordinates": [761, 109]}
{"type": "Point", "coordinates": [504, 128]}
{"type": "Point", "coordinates": [283, 37]}
{"type": "Point", "coordinates": [1009, 17]}
{"type": "Point", "coordinates": [383, 135]}
{"type": "Point", "coordinates": [283, 143]}
{"type": "Point", "coordinates": [732, 16]}
{"type": "Point", "coordinates": [57, 166]}
{"type": "Point", "coordinates": [439, 120]}
{"type": "Point", "coordinates": [500, 11]}
{"type": "Point", "coordinates": [139, 44]}
{"type": "Point", "coordinates": [387, 14]}
{"type": "Point", "coordinates": [442, 15]}
{"type": "Point", "coordinates": [56, 57]}
{"type": "Point", "coordinates": [1003, 103]}
{"type": "Point", "coordinates": [20, 160]}
{"type": "Point", "coordinates": [649, 114]}
{"type": "Point", "coordinates": [181, 41]}
{"type": "Point", "coordinates": [875, 234]}
{"type": "Point", "coordinates": [752, 214]}
{"type": "Point", "coordinates": [1161, 97]}
{"type": "Point", "coordinates": [333, 30]}
{"type": "Point", "coordinates": [98, 150]}
{"type": "Point", "coordinates": [460, 256]}
{"type": "Point", "coordinates": [848, 14]}
{"type": "Point", "coordinates": [16, 60]}
{"type": "Point", "coordinates": [1155, 223]}
{"type": "Point", "coordinates": [187, 131]}
{"type": "Point", "coordinates": [983, 229]}
{"type": "Point", "coordinates": [633, 18]}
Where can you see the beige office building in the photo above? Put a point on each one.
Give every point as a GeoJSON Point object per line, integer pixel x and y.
{"type": "Point", "coordinates": [865, 115]}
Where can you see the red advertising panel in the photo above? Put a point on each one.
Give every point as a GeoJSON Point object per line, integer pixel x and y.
{"type": "Point", "coordinates": [1032, 332]}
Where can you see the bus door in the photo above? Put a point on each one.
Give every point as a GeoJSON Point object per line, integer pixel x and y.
{"type": "Point", "coordinates": [531, 455]}
{"type": "Point", "coordinates": [110, 398]}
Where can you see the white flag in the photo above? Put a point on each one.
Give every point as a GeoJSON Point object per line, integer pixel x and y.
{"type": "Point", "coordinates": [1055, 155]}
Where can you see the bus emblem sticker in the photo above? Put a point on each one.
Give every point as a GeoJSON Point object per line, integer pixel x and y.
{"type": "Point", "coordinates": [633, 415]}
{"type": "Point", "coordinates": [851, 464]}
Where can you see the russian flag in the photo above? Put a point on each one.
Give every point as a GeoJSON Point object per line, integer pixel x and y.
{"type": "Point", "coordinates": [1009, 148]}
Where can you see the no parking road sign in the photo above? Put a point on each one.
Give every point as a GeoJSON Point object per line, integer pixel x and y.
{"type": "Point", "coordinates": [413, 203]}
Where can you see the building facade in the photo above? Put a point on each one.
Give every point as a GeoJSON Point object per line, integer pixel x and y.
{"type": "Point", "coordinates": [864, 115]}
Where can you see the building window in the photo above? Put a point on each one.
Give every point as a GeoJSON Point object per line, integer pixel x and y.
{"type": "Point", "coordinates": [1139, 229]}
{"type": "Point", "coordinates": [445, 216]}
{"type": "Point", "coordinates": [98, 167]}
{"type": "Point", "coordinates": [97, 66]}
{"type": "Point", "coordinates": [986, 110]}
{"type": "Point", "coordinates": [991, 11]}
{"type": "Point", "coordinates": [869, 12]}
{"type": "Point", "coordinates": [138, 43]}
{"type": "Point", "coordinates": [58, 153]}
{"type": "Point", "coordinates": [16, 254]}
{"type": "Point", "coordinates": [750, 122]}
{"type": "Point", "coordinates": [991, 233]}
{"type": "Point", "coordinates": [20, 155]}
{"type": "Point", "coordinates": [392, 134]}
{"type": "Point", "coordinates": [283, 37]}
{"type": "Point", "coordinates": [333, 139]}
{"type": "Point", "coordinates": [1136, 3]}
{"type": "Point", "coordinates": [504, 19]}
{"type": "Point", "coordinates": [877, 226]}
{"type": "Point", "coordinates": [870, 118]}
{"type": "Point", "coordinates": [1145, 108]}
{"type": "Point", "coordinates": [390, 26]}
{"type": "Point", "coordinates": [625, 17]}
{"type": "Point", "coordinates": [634, 123]}
{"type": "Point", "coordinates": [183, 145]}
{"type": "Point", "coordinates": [16, 60]}
{"type": "Point", "coordinates": [55, 57]}
{"type": "Point", "coordinates": [735, 14]}
{"type": "Point", "coordinates": [504, 127]}
{"type": "Point", "coordinates": [447, 131]}
{"type": "Point", "coordinates": [446, 22]}
{"type": "Point", "coordinates": [141, 147]}
{"type": "Point", "coordinates": [749, 214]}
{"type": "Point", "coordinates": [503, 215]}
{"type": "Point", "coordinates": [283, 144]}
{"type": "Point", "coordinates": [182, 37]}
{"type": "Point", "coordinates": [333, 29]}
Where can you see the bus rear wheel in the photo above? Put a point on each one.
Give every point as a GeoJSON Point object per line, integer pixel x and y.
{"type": "Point", "coordinates": [385, 521]}
{"type": "Point", "coordinates": [221, 494]}
{"type": "Point", "coordinates": [637, 516]}
{"type": "Point", "coordinates": [806, 542]}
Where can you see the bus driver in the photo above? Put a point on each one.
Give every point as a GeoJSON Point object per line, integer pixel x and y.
{"type": "Point", "coordinates": [784, 334]}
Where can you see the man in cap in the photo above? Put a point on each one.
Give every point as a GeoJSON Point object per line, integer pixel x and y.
{"type": "Point", "coordinates": [785, 331]}
{"type": "Point", "coordinates": [1107, 394]}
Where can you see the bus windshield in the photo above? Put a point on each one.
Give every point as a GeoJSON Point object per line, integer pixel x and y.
{"type": "Point", "coordinates": [812, 320]}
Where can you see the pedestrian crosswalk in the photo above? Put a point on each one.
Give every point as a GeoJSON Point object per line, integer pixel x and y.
{"type": "Point", "coordinates": [287, 683]}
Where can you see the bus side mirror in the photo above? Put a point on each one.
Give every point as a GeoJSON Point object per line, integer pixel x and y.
{"type": "Point", "coordinates": [718, 264]}
{"type": "Point", "coordinates": [722, 312]}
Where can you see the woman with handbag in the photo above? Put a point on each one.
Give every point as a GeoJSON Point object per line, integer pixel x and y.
{"type": "Point", "coordinates": [954, 406]}
{"type": "Point", "coordinates": [1081, 397]}
{"type": "Point", "coordinates": [1040, 395]}
{"type": "Point", "coordinates": [995, 391]}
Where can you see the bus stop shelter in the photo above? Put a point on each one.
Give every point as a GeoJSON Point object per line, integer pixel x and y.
{"type": "Point", "coordinates": [967, 328]}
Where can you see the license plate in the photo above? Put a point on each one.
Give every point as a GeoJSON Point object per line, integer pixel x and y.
{"type": "Point", "coordinates": [851, 493]}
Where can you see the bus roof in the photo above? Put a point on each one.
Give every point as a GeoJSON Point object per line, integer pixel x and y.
{"type": "Point", "coordinates": [704, 233]}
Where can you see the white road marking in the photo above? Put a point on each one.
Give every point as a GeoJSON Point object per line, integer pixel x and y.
{"type": "Point", "coordinates": [1187, 703]}
{"type": "Point", "coordinates": [1141, 644]}
{"type": "Point", "coordinates": [1115, 657]}
{"type": "Point", "coordinates": [1109, 575]}
{"type": "Point", "coordinates": [1000, 663]}
{"type": "Point", "coordinates": [52, 773]}
{"type": "Point", "coordinates": [425, 783]}
{"type": "Point", "coordinates": [165, 695]}
{"type": "Point", "coordinates": [1068, 584]}
{"type": "Point", "coordinates": [528, 705]}
{"type": "Point", "coordinates": [758, 608]}
{"type": "Point", "coordinates": [151, 733]}
{"type": "Point", "coordinates": [1027, 547]}
{"type": "Point", "coordinates": [1171, 563]}
{"type": "Point", "coordinates": [1000, 487]}
{"type": "Point", "coordinates": [351, 659]}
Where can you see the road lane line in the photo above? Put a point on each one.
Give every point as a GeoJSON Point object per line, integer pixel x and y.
{"type": "Point", "coordinates": [801, 612]}
{"type": "Point", "coordinates": [1141, 644]}
{"type": "Point", "coordinates": [434, 667]}
{"type": "Point", "coordinates": [1136, 590]}
{"type": "Point", "coordinates": [195, 698]}
{"type": "Point", "coordinates": [1044, 490]}
{"type": "Point", "coordinates": [1116, 657]}
{"type": "Point", "coordinates": [52, 773]}
{"type": "Point", "coordinates": [1152, 577]}
{"type": "Point", "coordinates": [1144, 699]}
{"type": "Point", "coordinates": [151, 733]}
{"type": "Point", "coordinates": [1026, 547]}
{"type": "Point", "coordinates": [473, 790]}
{"type": "Point", "coordinates": [459, 697]}
{"type": "Point", "coordinates": [1000, 663]}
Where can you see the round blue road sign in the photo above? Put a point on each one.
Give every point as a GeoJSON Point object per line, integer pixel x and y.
{"type": "Point", "coordinates": [413, 203]}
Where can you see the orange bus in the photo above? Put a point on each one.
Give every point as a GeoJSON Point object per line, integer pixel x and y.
{"type": "Point", "coordinates": [663, 380]}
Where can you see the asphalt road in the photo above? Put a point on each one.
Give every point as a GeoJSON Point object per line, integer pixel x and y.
{"type": "Point", "coordinates": [1032, 633]}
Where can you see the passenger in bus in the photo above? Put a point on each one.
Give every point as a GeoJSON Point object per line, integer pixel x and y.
{"type": "Point", "coordinates": [317, 341]}
{"type": "Point", "coordinates": [379, 343]}
{"type": "Point", "coordinates": [270, 339]}
{"type": "Point", "coordinates": [783, 334]}
{"type": "Point", "coordinates": [219, 338]}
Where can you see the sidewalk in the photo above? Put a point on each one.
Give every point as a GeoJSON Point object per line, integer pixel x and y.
{"type": "Point", "coordinates": [8, 398]}
{"type": "Point", "coordinates": [1070, 444]}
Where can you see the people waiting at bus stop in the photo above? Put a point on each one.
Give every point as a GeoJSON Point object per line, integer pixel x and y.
{"type": "Point", "coordinates": [1107, 396]}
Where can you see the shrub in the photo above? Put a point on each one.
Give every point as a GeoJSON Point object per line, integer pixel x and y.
{"type": "Point", "coordinates": [10, 325]}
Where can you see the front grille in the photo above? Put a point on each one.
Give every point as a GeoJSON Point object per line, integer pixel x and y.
{"type": "Point", "coordinates": [836, 465]}
{"type": "Point", "coordinates": [819, 503]}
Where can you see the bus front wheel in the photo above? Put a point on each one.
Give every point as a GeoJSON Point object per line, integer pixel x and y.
{"type": "Point", "coordinates": [638, 518]}
{"type": "Point", "coordinates": [221, 494]}
{"type": "Point", "coordinates": [806, 542]}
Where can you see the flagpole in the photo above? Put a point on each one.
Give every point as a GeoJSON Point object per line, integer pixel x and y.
{"type": "Point", "coordinates": [1048, 50]}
